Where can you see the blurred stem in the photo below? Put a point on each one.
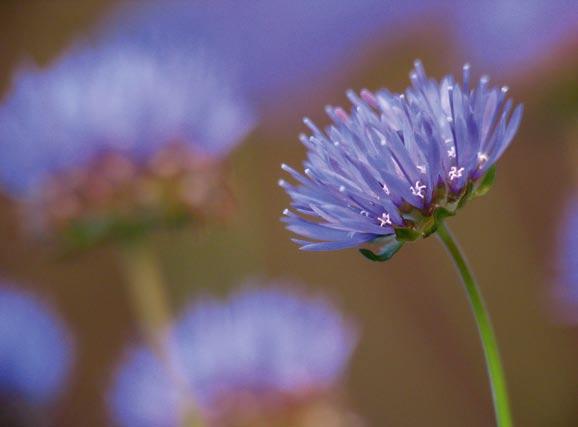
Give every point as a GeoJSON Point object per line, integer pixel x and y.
{"type": "Point", "coordinates": [146, 292]}
{"type": "Point", "coordinates": [487, 336]}
{"type": "Point", "coordinates": [151, 307]}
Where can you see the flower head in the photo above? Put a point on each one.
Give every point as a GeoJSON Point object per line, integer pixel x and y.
{"type": "Point", "coordinates": [35, 349]}
{"type": "Point", "coordinates": [117, 132]}
{"type": "Point", "coordinates": [393, 166]}
{"type": "Point", "coordinates": [262, 349]}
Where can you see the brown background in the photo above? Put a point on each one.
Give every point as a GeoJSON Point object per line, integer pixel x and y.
{"type": "Point", "coordinates": [419, 362]}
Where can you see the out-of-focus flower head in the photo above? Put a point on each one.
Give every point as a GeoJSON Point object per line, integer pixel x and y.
{"type": "Point", "coordinates": [566, 290]}
{"type": "Point", "coordinates": [307, 41]}
{"type": "Point", "coordinates": [120, 135]}
{"type": "Point", "coordinates": [263, 355]}
{"type": "Point", "coordinates": [35, 349]}
{"type": "Point", "coordinates": [392, 168]}
{"type": "Point", "coordinates": [279, 47]}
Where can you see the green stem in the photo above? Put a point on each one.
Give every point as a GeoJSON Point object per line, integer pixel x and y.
{"type": "Point", "coordinates": [487, 336]}
{"type": "Point", "coordinates": [151, 307]}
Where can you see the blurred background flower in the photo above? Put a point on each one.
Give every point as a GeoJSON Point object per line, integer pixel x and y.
{"type": "Point", "coordinates": [35, 357]}
{"type": "Point", "coordinates": [263, 357]}
{"type": "Point", "coordinates": [120, 135]}
{"type": "Point", "coordinates": [279, 48]}
{"type": "Point", "coordinates": [284, 48]}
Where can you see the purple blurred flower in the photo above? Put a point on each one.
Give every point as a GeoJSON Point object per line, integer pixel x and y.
{"type": "Point", "coordinates": [308, 40]}
{"type": "Point", "coordinates": [279, 47]}
{"type": "Point", "coordinates": [260, 342]}
{"type": "Point", "coordinates": [397, 162]}
{"type": "Point", "coordinates": [566, 291]}
{"type": "Point", "coordinates": [35, 349]}
{"type": "Point", "coordinates": [143, 393]}
{"type": "Point", "coordinates": [120, 136]}
{"type": "Point", "coordinates": [120, 97]}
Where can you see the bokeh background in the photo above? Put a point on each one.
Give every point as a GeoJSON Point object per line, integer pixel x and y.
{"type": "Point", "coordinates": [419, 361]}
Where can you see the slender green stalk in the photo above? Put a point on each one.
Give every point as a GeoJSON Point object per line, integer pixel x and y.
{"type": "Point", "coordinates": [487, 336]}
{"type": "Point", "coordinates": [152, 310]}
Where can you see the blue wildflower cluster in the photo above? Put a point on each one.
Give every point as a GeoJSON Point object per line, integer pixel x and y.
{"type": "Point", "coordinates": [35, 349]}
{"type": "Point", "coordinates": [393, 166]}
{"type": "Point", "coordinates": [264, 346]}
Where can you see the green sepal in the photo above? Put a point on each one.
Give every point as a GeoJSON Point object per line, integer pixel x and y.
{"type": "Point", "coordinates": [407, 234]}
{"type": "Point", "coordinates": [467, 195]}
{"type": "Point", "coordinates": [486, 182]}
{"type": "Point", "coordinates": [439, 215]}
{"type": "Point", "coordinates": [442, 213]}
{"type": "Point", "coordinates": [385, 253]}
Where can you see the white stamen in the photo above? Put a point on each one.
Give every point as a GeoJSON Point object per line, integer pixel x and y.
{"type": "Point", "coordinates": [452, 152]}
{"type": "Point", "coordinates": [482, 157]}
{"type": "Point", "coordinates": [307, 171]}
{"type": "Point", "coordinates": [449, 141]}
{"type": "Point", "coordinates": [285, 211]}
{"type": "Point", "coordinates": [505, 89]}
{"type": "Point", "coordinates": [417, 190]}
{"type": "Point", "coordinates": [282, 183]}
{"type": "Point", "coordinates": [384, 220]}
{"type": "Point", "coordinates": [364, 213]}
{"type": "Point", "coordinates": [386, 189]}
{"type": "Point", "coordinates": [455, 173]}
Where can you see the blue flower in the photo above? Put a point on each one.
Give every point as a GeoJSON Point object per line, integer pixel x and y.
{"type": "Point", "coordinates": [308, 40]}
{"type": "Point", "coordinates": [390, 169]}
{"type": "Point", "coordinates": [304, 42]}
{"type": "Point", "coordinates": [121, 97]}
{"type": "Point", "coordinates": [261, 343]}
{"type": "Point", "coordinates": [35, 349]}
{"type": "Point", "coordinates": [566, 290]}
{"type": "Point", "coordinates": [117, 130]}
{"type": "Point", "coordinates": [143, 393]}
